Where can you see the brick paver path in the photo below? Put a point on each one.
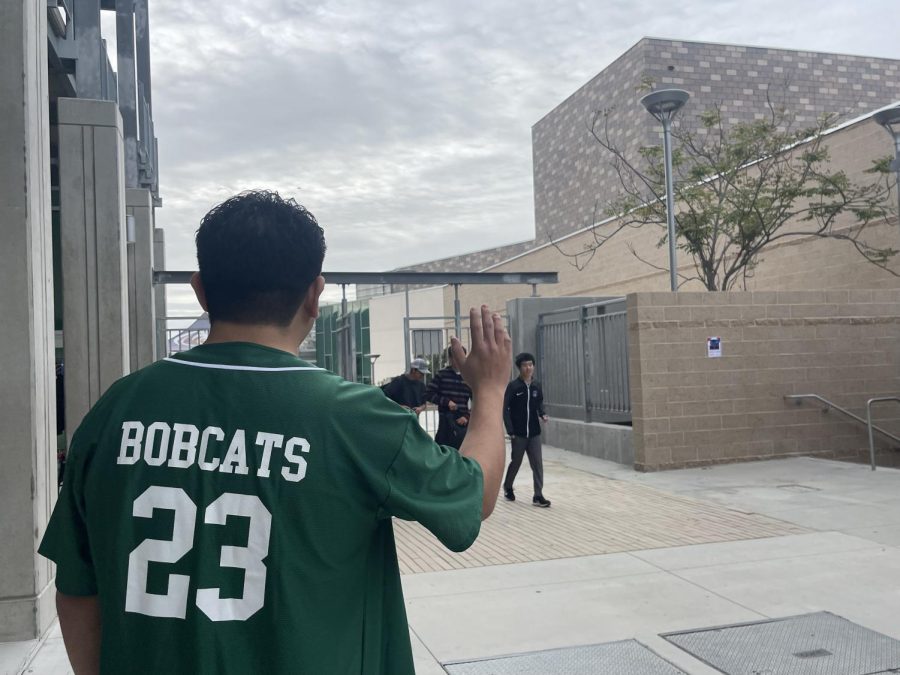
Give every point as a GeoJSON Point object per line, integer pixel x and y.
{"type": "Point", "coordinates": [590, 515]}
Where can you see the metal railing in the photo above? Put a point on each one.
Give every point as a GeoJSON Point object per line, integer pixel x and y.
{"type": "Point", "coordinates": [799, 398]}
{"type": "Point", "coordinates": [183, 339]}
{"type": "Point", "coordinates": [877, 399]}
{"type": "Point", "coordinates": [583, 362]}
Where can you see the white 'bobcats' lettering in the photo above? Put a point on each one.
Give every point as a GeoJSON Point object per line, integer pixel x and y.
{"type": "Point", "coordinates": [163, 430]}
{"type": "Point", "coordinates": [267, 440]}
{"type": "Point", "coordinates": [219, 435]}
{"type": "Point", "coordinates": [182, 446]}
{"type": "Point", "coordinates": [130, 450]}
{"type": "Point", "coordinates": [298, 461]}
{"type": "Point", "coordinates": [236, 458]}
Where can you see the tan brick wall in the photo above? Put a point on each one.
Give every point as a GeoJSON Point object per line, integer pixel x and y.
{"type": "Point", "coordinates": [692, 410]}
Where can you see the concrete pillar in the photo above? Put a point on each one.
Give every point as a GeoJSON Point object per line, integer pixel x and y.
{"type": "Point", "coordinates": [142, 49]}
{"type": "Point", "coordinates": [27, 374]}
{"type": "Point", "coordinates": [141, 302]}
{"type": "Point", "coordinates": [125, 68]}
{"type": "Point", "coordinates": [92, 229]}
{"type": "Point", "coordinates": [159, 292]}
{"type": "Point", "coordinates": [90, 68]}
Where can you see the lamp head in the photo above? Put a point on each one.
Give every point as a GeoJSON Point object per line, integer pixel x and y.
{"type": "Point", "coordinates": [890, 120]}
{"type": "Point", "coordinates": [664, 103]}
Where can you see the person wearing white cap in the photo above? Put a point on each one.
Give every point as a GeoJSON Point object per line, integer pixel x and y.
{"type": "Point", "coordinates": [408, 389]}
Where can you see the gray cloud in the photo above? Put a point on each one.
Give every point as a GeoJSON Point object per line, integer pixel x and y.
{"type": "Point", "coordinates": [406, 127]}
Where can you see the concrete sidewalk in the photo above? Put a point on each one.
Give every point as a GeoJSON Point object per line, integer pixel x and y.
{"type": "Point", "coordinates": [843, 559]}
{"type": "Point", "coordinates": [625, 555]}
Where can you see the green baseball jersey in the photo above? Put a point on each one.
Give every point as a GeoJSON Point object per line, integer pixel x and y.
{"type": "Point", "coordinates": [231, 506]}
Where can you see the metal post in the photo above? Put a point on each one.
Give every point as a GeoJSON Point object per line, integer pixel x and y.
{"type": "Point", "coordinates": [670, 203]}
{"type": "Point", "coordinates": [344, 332]}
{"type": "Point", "coordinates": [406, 356]}
{"type": "Point", "coordinates": [540, 347]}
{"type": "Point", "coordinates": [898, 182]}
{"type": "Point", "coordinates": [586, 365]}
{"type": "Point", "coordinates": [456, 319]}
{"type": "Point", "coordinates": [663, 105]}
{"type": "Point", "coordinates": [871, 434]}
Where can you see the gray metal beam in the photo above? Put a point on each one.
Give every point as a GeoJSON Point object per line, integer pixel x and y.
{"type": "Point", "coordinates": [419, 278]}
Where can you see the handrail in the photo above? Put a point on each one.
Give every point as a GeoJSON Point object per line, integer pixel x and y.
{"type": "Point", "coordinates": [601, 303]}
{"type": "Point", "coordinates": [868, 422]}
{"type": "Point", "coordinates": [877, 399]}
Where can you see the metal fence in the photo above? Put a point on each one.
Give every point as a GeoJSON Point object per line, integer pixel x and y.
{"type": "Point", "coordinates": [182, 339]}
{"type": "Point", "coordinates": [583, 362]}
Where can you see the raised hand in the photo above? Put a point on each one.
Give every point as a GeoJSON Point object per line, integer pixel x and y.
{"type": "Point", "coordinates": [486, 367]}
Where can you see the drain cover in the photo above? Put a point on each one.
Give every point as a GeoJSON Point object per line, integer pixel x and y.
{"type": "Point", "coordinates": [628, 657]}
{"type": "Point", "coordinates": [813, 644]}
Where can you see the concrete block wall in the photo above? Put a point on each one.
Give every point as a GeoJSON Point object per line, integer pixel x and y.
{"type": "Point", "coordinates": [691, 410]}
{"type": "Point", "coordinates": [572, 172]}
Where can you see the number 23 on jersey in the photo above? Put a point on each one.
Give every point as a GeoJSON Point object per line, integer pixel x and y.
{"type": "Point", "coordinates": [173, 604]}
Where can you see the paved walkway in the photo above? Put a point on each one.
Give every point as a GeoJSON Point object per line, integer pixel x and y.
{"type": "Point", "coordinates": [591, 515]}
{"type": "Point", "coordinates": [622, 555]}
{"type": "Point", "coordinates": [845, 559]}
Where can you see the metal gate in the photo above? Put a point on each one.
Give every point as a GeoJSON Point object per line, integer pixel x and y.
{"type": "Point", "coordinates": [583, 362]}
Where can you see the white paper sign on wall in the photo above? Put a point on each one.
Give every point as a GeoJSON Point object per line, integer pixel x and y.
{"type": "Point", "coordinates": [714, 347]}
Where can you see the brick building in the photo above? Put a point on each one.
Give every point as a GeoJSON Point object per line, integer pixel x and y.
{"type": "Point", "coordinates": [572, 172]}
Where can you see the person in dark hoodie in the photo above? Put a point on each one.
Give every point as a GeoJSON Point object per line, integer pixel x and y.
{"type": "Point", "coordinates": [408, 389]}
{"type": "Point", "coordinates": [523, 412]}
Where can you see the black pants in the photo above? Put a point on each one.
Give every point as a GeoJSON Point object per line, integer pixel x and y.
{"type": "Point", "coordinates": [449, 432]}
{"type": "Point", "coordinates": [531, 446]}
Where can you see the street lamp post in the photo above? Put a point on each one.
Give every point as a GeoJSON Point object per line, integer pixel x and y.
{"type": "Point", "coordinates": [890, 120]}
{"type": "Point", "coordinates": [663, 105]}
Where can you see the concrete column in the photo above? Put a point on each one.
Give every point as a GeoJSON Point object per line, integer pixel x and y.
{"type": "Point", "coordinates": [141, 302]}
{"type": "Point", "coordinates": [125, 68]}
{"type": "Point", "coordinates": [92, 229]}
{"type": "Point", "coordinates": [159, 292]}
{"type": "Point", "coordinates": [90, 66]}
{"type": "Point", "coordinates": [142, 49]}
{"type": "Point", "coordinates": [27, 375]}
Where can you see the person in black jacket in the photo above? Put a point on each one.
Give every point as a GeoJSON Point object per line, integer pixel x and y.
{"type": "Point", "coordinates": [451, 395]}
{"type": "Point", "coordinates": [408, 389]}
{"type": "Point", "coordinates": [523, 412]}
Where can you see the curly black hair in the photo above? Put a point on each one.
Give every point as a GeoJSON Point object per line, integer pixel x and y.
{"type": "Point", "coordinates": [258, 253]}
{"type": "Point", "coordinates": [523, 357]}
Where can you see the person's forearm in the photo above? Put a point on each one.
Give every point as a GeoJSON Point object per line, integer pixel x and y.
{"type": "Point", "coordinates": [79, 619]}
{"type": "Point", "coordinates": [485, 444]}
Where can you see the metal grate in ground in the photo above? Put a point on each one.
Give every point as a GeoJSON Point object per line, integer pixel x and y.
{"type": "Point", "coordinates": [812, 644]}
{"type": "Point", "coordinates": [627, 657]}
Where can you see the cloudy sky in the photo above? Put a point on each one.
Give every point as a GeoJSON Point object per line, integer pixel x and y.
{"type": "Point", "coordinates": [405, 127]}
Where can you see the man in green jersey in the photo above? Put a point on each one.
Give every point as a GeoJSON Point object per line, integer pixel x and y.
{"type": "Point", "coordinates": [228, 509]}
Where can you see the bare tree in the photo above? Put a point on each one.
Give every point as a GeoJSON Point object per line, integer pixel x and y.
{"type": "Point", "coordinates": [738, 190]}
